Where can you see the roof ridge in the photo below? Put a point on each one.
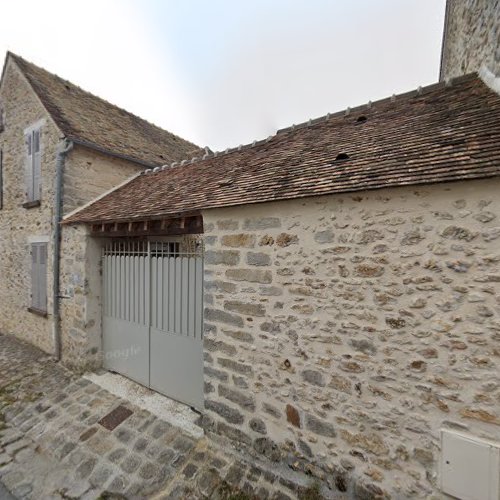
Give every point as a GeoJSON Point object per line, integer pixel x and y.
{"type": "Point", "coordinates": [66, 82]}
{"type": "Point", "coordinates": [314, 121]}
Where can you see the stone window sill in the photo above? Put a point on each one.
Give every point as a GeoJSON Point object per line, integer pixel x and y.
{"type": "Point", "coordinates": [43, 314]}
{"type": "Point", "coordinates": [31, 204]}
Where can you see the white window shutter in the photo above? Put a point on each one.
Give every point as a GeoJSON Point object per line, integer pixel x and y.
{"type": "Point", "coordinates": [28, 169]}
{"type": "Point", "coordinates": [42, 277]}
{"type": "Point", "coordinates": [37, 165]}
{"type": "Point", "coordinates": [34, 276]}
{"type": "Point", "coordinates": [39, 276]}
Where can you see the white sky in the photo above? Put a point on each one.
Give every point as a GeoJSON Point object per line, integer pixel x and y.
{"type": "Point", "coordinates": [221, 72]}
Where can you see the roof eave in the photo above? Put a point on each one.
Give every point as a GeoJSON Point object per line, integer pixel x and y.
{"type": "Point", "coordinates": [114, 154]}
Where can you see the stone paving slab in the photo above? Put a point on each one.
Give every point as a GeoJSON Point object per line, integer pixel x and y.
{"type": "Point", "coordinates": [52, 446]}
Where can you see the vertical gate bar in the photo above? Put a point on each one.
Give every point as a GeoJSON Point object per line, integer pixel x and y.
{"type": "Point", "coordinates": [105, 283]}
{"type": "Point", "coordinates": [130, 282]}
{"type": "Point", "coordinates": [109, 287]}
{"type": "Point", "coordinates": [148, 302]}
{"type": "Point", "coordinates": [126, 316]}
{"type": "Point", "coordinates": [154, 284]}
{"type": "Point", "coordinates": [119, 284]}
{"type": "Point", "coordinates": [178, 288]}
{"type": "Point", "coordinates": [147, 284]}
{"type": "Point", "coordinates": [185, 295]}
{"type": "Point", "coordinates": [106, 289]}
{"type": "Point", "coordinates": [141, 290]}
{"type": "Point", "coordinates": [192, 296]}
{"type": "Point", "coordinates": [124, 284]}
{"type": "Point", "coordinates": [120, 275]}
{"type": "Point", "coordinates": [159, 293]}
{"type": "Point", "coordinates": [165, 293]}
{"type": "Point", "coordinates": [132, 285]}
{"type": "Point", "coordinates": [136, 288]}
{"type": "Point", "coordinates": [199, 298]}
{"type": "Point", "coordinates": [171, 294]}
{"type": "Point", "coordinates": [115, 285]}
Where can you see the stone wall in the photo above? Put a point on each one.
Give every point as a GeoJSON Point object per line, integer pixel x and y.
{"type": "Point", "coordinates": [81, 298]}
{"type": "Point", "coordinates": [19, 226]}
{"type": "Point", "coordinates": [343, 332]}
{"type": "Point", "coordinates": [88, 174]}
{"type": "Point", "coordinates": [471, 37]}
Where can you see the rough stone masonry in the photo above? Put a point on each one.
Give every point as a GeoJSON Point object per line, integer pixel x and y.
{"type": "Point", "coordinates": [343, 332]}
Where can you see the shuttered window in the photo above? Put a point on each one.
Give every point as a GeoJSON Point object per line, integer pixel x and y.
{"type": "Point", "coordinates": [33, 165]}
{"type": "Point", "coordinates": [39, 277]}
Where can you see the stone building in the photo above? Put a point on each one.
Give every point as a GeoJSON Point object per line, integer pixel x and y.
{"type": "Point", "coordinates": [351, 279]}
{"type": "Point", "coordinates": [351, 290]}
{"type": "Point", "coordinates": [471, 39]}
{"type": "Point", "coordinates": [60, 147]}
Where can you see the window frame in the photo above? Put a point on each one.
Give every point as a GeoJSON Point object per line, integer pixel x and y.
{"type": "Point", "coordinates": [33, 168]}
{"type": "Point", "coordinates": [39, 278]}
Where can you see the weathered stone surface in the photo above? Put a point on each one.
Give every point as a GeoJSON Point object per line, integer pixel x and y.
{"type": "Point", "coordinates": [363, 345]}
{"type": "Point", "coordinates": [412, 237]}
{"type": "Point", "coordinates": [220, 286]}
{"type": "Point", "coordinates": [458, 233]}
{"type": "Point", "coordinates": [228, 224]}
{"type": "Point", "coordinates": [250, 309]}
{"type": "Point", "coordinates": [243, 400]}
{"type": "Point", "coordinates": [314, 377]}
{"type": "Point", "coordinates": [491, 234]}
{"type": "Point", "coordinates": [268, 448]}
{"type": "Point", "coordinates": [258, 259]}
{"type": "Point", "coordinates": [368, 236]}
{"type": "Point", "coordinates": [218, 374]}
{"type": "Point", "coordinates": [319, 426]}
{"type": "Point", "coordinates": [480, 414]}
{"type": "Point", "coordinates": [219, 346]}
{"type": "Point", "coordinates": [239, 335]}
{"type": "Point", "coordinates": [258, 425]}
{"type": "Point", "coordinates": [285, 239]}
{"type": "Point", "coordinates": [292, 415]}
{"type": "Point", "coordinates": [468, 47]}
{"type": "Point", "coordinates": [222, 257]}
{"type": "Point", "coordinates": [262, 223]}
{"type": "Point", "coordinates": [223, 317]}
{"type": "Point", "coordinates": [235, 366]}
{"type": "Point", "coordinates": [326, 236]}
{"type": "Point", "coordinates": [233, 433]}
{"type": "Point", "coordinates": [240, 382]}
{"type": "Point", "coordinates": [251, 275]}
{"type": "Point", "coordinates": [238, 240]}
{"type": "Point", "coordinates": [271, 410]}
{"type": "Point", "coordinates": [230, 414]}
{"type": "Point", "coordinates": [399, 312]}
{"type": "Point", "coordinates": [372, 442]}
{"type": "Point", "coordinates": [366, 271]}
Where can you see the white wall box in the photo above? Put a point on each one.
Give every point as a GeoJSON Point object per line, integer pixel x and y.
{"type": "Point", "coordinates": [470, 467]}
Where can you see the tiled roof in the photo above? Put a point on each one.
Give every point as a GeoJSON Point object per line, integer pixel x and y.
{"type": "Point", "coordinates": [96, 123]}
{"type": "Point", "coordinates": [444, 132]}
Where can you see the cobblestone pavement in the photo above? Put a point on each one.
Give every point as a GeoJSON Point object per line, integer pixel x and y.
{"type": "Point", "coordinates": [52, 446]}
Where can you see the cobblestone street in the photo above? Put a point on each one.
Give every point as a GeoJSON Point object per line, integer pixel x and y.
{"type": "Point", "coordinates": [52, 445]}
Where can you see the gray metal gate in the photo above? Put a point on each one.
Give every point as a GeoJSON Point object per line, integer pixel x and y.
{"type": "Point", "coordinates": [153, 317]}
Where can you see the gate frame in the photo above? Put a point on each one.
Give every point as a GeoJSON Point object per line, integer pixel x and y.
{"type": "Point", "coordinates": [168, 230]}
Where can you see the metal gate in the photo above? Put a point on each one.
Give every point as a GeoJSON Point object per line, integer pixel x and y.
{"type": "Point", "coordinates": [153, 316]}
